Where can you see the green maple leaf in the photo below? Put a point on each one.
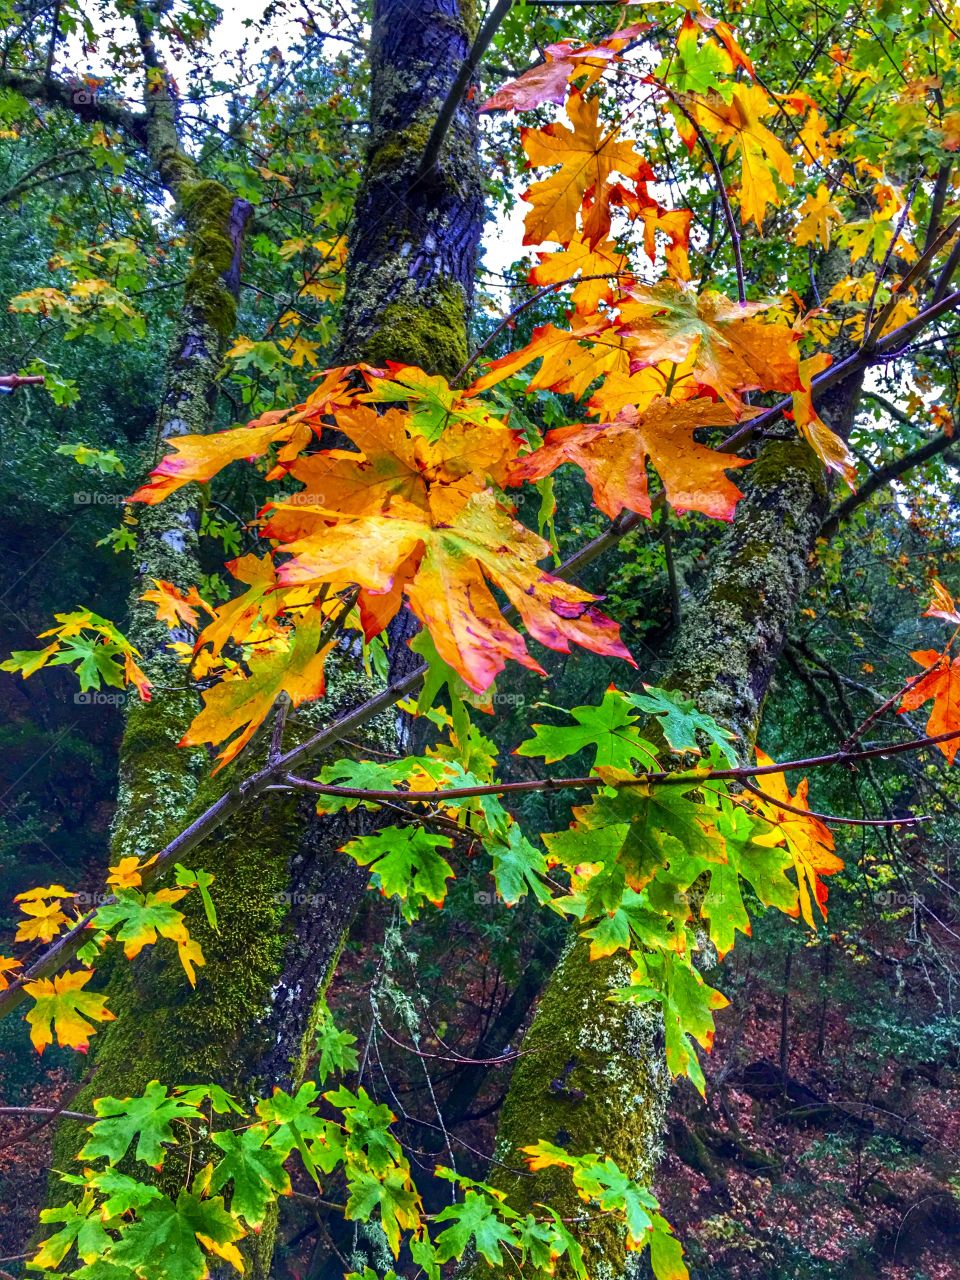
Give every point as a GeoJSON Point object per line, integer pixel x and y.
{"type": "Point", "coordinates": [723, 907]}
{"type": "Point", "coordinates": [606, 1183]}
{"type": "Point", "coordinates": [146, 1118]}
{"type": "Point", "coordinates": [396, 1199]}
{"type": "Point", "coordinates": [102, 1269]}
{"type": "Point", "coordinates": [517, 867]}
{"type": "Point", "coordinates": [255, 1169]}
{"type": "Point", "coordinates": [680, 722]}
{"type": "Point", "coordinates": [122, 1193]}
{"type": "Point", "coordinates": [142, 918]}
{"type": "Point", "coordinates": [764, 868]}
{"type": "Point", "coordinates": [609, 728]}
{"type": "Point", "coordinates": [163, 1244]}
{"type": "Point", "coordinates": [94, 659]}
{"type": "Point", "coordinates": [82, 1226]}
{"type": "Point", "coordinates": [688, 1005]}
{"type": "Point", "coordinates": [657, 827]}
{"type": "Point", "coordinates": [334, 1046]}
{"type": "Point", "coordinates": [221, 1101]}
{"type": "Point", "coordinates": [630, 924]}
{"type": "Point", "coordinates": [296, 1120]}
{"type": "Point", "coordinates": [406, 862]}
{"type": "Point", "coordinates": [367, 1123]}
{"type": "Point", "coordinates": [474, 1220]}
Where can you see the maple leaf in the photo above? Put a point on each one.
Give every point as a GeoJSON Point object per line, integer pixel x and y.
{"type": "Point", "coordinates": [63, 1007]}
{"type": "Point", "coordinates": [7, 966]}
{"type": "Point", "coordinates": [393, 1194]}
{"type": "Point", "coordinates": [164, 1242]}
{"type": "Point", "coordinates": [826, 444]}
{"type": "Point", "coordinates": [817, 212]}
{"type": "Point", "coordinates": [199, 458]}
{"type": "Point", "coordinates": [588, 155]}
{"type": "Point", "coordinates": [762, 155]}
{"type": "Point", "coordinates": [433, 404]}
{"type": "Point", "coordinates": [609, 728]}
{"type": "Point", "coordinates": [173, 606]}
{"type": "Point", "coordinates": [128, 873]}
{"type": "Point", "coordinates": [562, 62]}
{"type": "Point", "coordinates": [44, 907]}
{"type": "Point", "coordinates": [237, 619]}
{"type": "Point", "coordinates": [733, 351]}
{"type": "Point", "coordinates": [255, 1169]}
{"type": "Point", "coordinates": [613, 457]}
{"type": "Point", "coordinates": [445, 567]}
{"type": "Point", "coordinates": [673, 224]}
{"type": "Point", "coordinates": [406, 861]}
{"type": "Point", "coordinates": [239, 705]}
{"type": "Point", "coordinates": [603, 259]}
{"type": "Point", "coordinates": [474, 1220]}
{"type": "Point", "coordinates": [569, 366]}
{"type": "Point", "coordinates": [808, 841]}
{"type": "Point", "coordinates": [943, 604]}
{"type": "Point", "coordinates": [942, 684]}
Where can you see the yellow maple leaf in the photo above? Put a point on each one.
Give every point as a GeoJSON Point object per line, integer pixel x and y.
{"type": "Point", "coordinates": [62, 1009]}
{"type": "Point", "coordinates": [817, 212]}
{"type": "Point", "coordinates": [588, 155]}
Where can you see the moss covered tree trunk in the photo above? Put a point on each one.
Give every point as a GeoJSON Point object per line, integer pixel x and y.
{"type": "Point", "coordinates": [284, 896]}
{"type": "Point", "coordinates": [592, 1076]}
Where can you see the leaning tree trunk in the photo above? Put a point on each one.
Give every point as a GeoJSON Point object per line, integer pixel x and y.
{"type": "Point", "coordinates": [592, 1074]}
{"type": "Point", "coordinates": [284, 896]}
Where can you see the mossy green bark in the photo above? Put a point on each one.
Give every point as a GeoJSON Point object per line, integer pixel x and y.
{"type": "Point", "coordinates": [592, 1076]}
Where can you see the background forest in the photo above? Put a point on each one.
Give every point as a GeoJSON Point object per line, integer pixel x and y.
{"type": "Point", "coordinates": [828, 1142]}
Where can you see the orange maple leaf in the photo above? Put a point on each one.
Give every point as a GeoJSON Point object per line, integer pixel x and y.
{"type": "Point", "coordinates": [733, 350]}
{"type": "Point", "coordinates": [442, 567]}
{"type": "Point", "coordinates": [591, 261]}
{"type": "Point", "coordinates": [613, 457]}
{"type": "Point", "coordinates": [572, 358]}
{"type": "Point", "coordinates": [808, 841]}
{"type": "Point", "coordinates": [588, 155]}
{"type": "Point", "coordinates": [200, 458]}
{"type": "Point", "coordinates": [240, 705]}
{"type": "Point", "coordinates": [942, 684]}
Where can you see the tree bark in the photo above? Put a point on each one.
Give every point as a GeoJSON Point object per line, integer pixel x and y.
{"type": "Point", "coordinates": [284, 896]}
{"type": "Point", "coordinates": [593, 1075]}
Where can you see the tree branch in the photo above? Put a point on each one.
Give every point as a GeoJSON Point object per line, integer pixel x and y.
{"type": "Point", "coordinates": [459, 87]}
{"type": "Point", "coordinates": [80, 101]}
{"type": "Point", "coordinates": [883, 476]}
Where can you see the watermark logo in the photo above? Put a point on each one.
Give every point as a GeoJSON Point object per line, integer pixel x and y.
{"type": "Point", "coordinates": [889, 898]}
{"type": "Point", "coordinates": [102, 698]}
{"type": "Point", "coordinates": [93, 498]}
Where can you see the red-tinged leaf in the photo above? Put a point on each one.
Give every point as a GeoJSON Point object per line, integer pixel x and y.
{"type": "Point", "coordinates": [808, 841]}
{"type": "Point", "coordinates": [563, 62]}
{"type": "Point", "coordinates": [943, 604]}
{"type": "Point", "coordinates": [942, 684]}
{"type": "Point", "coordinates": [614, 459]}
{"type": "Point", "coordinates": [443, 567]}
{"type": "Point", "coordinates": [588, 155]}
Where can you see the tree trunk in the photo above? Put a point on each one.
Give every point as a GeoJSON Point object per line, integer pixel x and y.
{"type": "Point", "coordinates": [284, 896]}
{"type": "Point", "coordinates": [593, 1076]}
